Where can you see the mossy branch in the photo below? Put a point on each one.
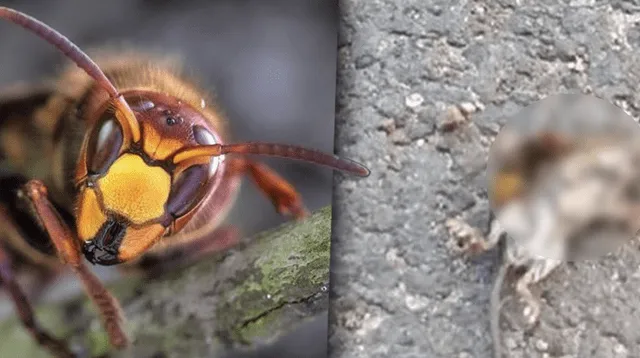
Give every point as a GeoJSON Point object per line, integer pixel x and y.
{"type": "Point", "coordinates": [251, 295]}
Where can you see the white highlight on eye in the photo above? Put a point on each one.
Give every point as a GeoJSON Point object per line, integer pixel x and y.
{"type": "Point", "coordinates": [105, 132]}
{"type": "Point", "coordinates": [209, 139]}
{"type": "Point", "coordinates": [147, 105]}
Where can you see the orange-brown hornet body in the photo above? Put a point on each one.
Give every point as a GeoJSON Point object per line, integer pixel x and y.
{"type": "Point", "coordinates": [117, 156]}
{"type": "Point", "coordinates": [125, 199]}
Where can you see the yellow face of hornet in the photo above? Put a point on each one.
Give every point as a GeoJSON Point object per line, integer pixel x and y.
{"type": "Point", "coordinates": [131, 194]}
{"type": "Point", "coordinates": [132, 191]}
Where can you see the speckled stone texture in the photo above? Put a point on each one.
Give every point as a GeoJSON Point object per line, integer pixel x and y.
{"type": "Point", "coordinates": [407, 66]}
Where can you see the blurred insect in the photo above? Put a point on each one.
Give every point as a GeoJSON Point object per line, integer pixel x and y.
{"type": "Point", "coordinates": [113, 159]}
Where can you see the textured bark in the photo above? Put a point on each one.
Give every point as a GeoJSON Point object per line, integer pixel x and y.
{"type": "Point", "coordinates": [250, 296]}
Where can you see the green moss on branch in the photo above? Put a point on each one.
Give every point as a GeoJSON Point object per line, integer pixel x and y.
{"type": "Point", "coordinates": [254, 294]}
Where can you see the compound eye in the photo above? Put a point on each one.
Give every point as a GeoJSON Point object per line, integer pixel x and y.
{"type": "Point", "coordinates": [104, 145]}
{"type": "Point", "coordinates": [204, 137]}
{"type": "Point", "coordinates": [187, 190]}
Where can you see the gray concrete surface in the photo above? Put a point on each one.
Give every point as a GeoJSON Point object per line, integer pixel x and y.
{"type": "Point", "coordinates": [397, 290]}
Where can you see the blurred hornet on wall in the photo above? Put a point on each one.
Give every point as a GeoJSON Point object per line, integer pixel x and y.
{"type": "Point", "coordinates": [120, 154]}
{"type": "Point", "coordinates": [557, 195]}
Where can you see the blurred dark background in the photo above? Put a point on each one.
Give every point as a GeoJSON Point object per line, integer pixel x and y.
{"type": "Point", "coordinates": [271, 63]}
